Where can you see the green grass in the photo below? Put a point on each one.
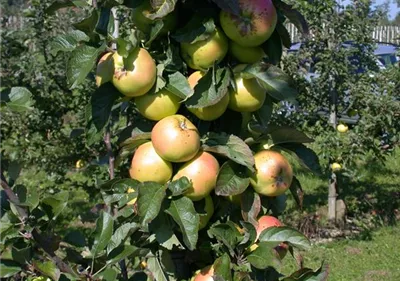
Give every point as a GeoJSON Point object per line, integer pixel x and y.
{"type": "Point", "coordinates": [375, 253]}
{"type": "Point", "coordinates": [376, 187]}
{"type": "Point", "coordinates": [355, 260]}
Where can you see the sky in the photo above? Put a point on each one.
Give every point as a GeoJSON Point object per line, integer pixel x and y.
{"type": "Point", "coordinates": [394, 9]}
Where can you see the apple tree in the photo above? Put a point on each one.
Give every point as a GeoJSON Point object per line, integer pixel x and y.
{"type": "Point", "coordinates": [183, 103]}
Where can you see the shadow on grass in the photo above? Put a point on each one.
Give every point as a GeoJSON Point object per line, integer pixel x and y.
{"type": "Point", "coordinates": [374, 195]}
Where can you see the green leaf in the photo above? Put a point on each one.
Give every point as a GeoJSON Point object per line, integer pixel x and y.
{"type": "Point", "coordinates": [276, 204]}
{"type": "Point", "coordinates": [55, 204]}
{"type": "Point", "coordinates": [48, 269]}
{"type": "Point", "coordinates": [226, 233]}
{"type": "Point", "coordinates": [120, 185]}
{"type": "Point", "coordinates": [251, 205]}
{"type": "Point", "coordinates": [151, 196]}
{"type": "Point", "coordinates": [92, 134]}
{"type": "Point", "coordinates": [306, 156]}
{"type": "Point", "coordinates": [285, 234]}
{"type": "Point", "coordinates": [273, 48]}
{"type": "Point", "coordinates": [250, 234]}
{"type": "Point", "coordinates": [81, 63]}
{"type": "Point", "coordinates": [178, 84]}
{"type": "Point", "coordinates": [21, 253]}
{"type": "Point", "coordinates": [109, 274]}
{"type": "Point", "coordinates": [197, 29]}
{"type": "Point", "coordinates": [102, 233]}
{"type": "Point", "coordinates": [241, 276]}
{"type": "Point", "coordinates": [232, 179]}
{"type": "Point", "coordinates": [286, 134]}
{"type": "Point", "coordinates": [104, 19]}
{"type": "Point", "coordinates": [129, 146]}
{"type": "Point", "coordinates": [75, 238]}
{"type": "Point", "coordinates": [29, 198]}
{"type": "Point", "coordinates": [307, 274]}
{"type": "Point", "coordinates": [297, 192]}
{"type": "Point", "coordinates": [88, 25]}
{"type": "Point", "coordinates": [17, 99]}
{"type": "Point", "coordinates": [179, 186]}
{"type": "Point", "coordinates": [277, 83]}
{"type": "Point", "coordinates": [162, 227]}
{"type": "Point", "coordinates": [8, 268]}
{"type": "Point", "coordinates": [184, 214]}
{"type": "Point", "coordinates": [222, 267]}
{"type": "Point", "coordinates": [120, 234]}
{"type": "Point", "coordinates": [231, 147]}
{"type": "Point", "coordinates": [67, 42]}
{"type": "Point", "coordinates": [14, 169]}
{"type": "Point", "coordinates": [161, 8]}
{"type": "Point", "coordinates": [124, 251]}
{"type": "Point", "coordinates": [230, 6]}
{"type": "Point", "coordinates": [59, 4]}
{"type": "Point", "coordinates": [210, 89]}
{"type": "Point", "coordinates": [294, 16]}
{"type": "Point", "coordinates": [264, 256]}
{"type": "Point", "coordinates": [284, 35]}
{"type": "Point", "coordinates": [264, 114]}
{"type": "Point", "coordinates": [174, 63]}
{"type": "Point", "coordinates": [155, 30]}
{"type": "Point", "coordinates": [161, 266]}
{"type": "Point", "coordinates": [102, 101]}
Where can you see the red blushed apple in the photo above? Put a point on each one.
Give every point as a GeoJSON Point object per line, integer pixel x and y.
{"type": "Point", "coordinates": [175, 138]}
{"type": "Point", "coordinates": [147, 165]}
{"type": "Point", "coordinates": [135, 75]}
{"type": "Point", "coordinates": [273, 175]}
{"type": "Point", "coordinates": [253, 26]}
{"type": "Point", "coordinates": [265, 222]}
{"type": "Point", "coordinates": [202, 171]}
{"type": "Point", "coordinates": [206, 274]}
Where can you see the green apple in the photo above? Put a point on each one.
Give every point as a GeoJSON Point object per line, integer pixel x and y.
{"type": "Point", "coordinates": [159, 105]}
{"type": "Point", "coordinates": [135, 75]}
{"type": "Point", "coordinates": [246, 54]}
{"type": "Point", "coordinates": [202, 55]}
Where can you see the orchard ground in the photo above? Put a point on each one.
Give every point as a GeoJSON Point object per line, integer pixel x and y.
{"type": "Point", "coordinates": [372, 254]}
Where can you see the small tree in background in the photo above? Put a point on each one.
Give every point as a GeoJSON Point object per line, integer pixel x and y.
{"type": "Point", "coordinates": [348, 84]}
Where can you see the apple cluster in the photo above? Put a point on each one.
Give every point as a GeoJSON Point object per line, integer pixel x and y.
{"type": "Point", "coordinates": [134, 75]}
{"type": "Point", "coordinates": [174, 150]}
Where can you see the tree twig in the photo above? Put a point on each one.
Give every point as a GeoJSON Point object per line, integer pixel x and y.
{"type": "Point", "coordinates": [111, 160]}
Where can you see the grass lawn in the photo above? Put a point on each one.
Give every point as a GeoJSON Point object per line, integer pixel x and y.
{"type": "Point", "coordinates": [375, 254]}
{"type": "Point", "coordinates": [356, 260]}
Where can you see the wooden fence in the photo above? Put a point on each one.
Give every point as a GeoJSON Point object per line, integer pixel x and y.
{"type": "Point", "coordinates": [388, 34]}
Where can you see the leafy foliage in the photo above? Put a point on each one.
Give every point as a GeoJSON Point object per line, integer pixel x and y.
{"type": "Point", "coordinates": [134, 230]}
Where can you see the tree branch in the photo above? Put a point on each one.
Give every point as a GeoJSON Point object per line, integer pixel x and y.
{"type": "Point", "coordinates": [23, 215]}
{"type": "Point", "coordinates": [39, 239]}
